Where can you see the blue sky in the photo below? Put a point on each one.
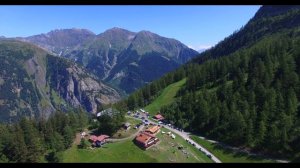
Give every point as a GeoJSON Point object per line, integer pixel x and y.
{"type": "Point", "coordinates": [198, 26]}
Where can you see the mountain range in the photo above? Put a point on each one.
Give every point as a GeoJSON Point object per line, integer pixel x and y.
{"type": "Point", "coordinates": [70, 68]}
{"type": "Point", "coordinates": [125, 59]}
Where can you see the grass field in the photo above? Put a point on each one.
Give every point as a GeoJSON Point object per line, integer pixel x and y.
{"type": "Point", "coordinates": [128, 152]}
{"type": "Point", "coordinates": [121, 152]}
{"type": "Point", "coordinates": [173, 153]}
{"type": "Point", "coordinates": [227, 155]}
{"type": "Point", "coordinates": [165, 151]}
{"type": "Point", "coordinates": [166, 97]}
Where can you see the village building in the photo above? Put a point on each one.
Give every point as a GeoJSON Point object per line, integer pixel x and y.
{"type": "Point", "coordinates": [145, 140]}
{"type": "Point", "coordinates": [153, 130]}
{"type": "Point", "coordinates": [98, 140]}
{"type": "Point", "coordinates": [159, 117]}
{"type": "Point", "coordinates": [126, 126]}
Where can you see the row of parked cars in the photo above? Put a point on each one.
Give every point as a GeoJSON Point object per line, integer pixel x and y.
{"type": "Point", "coordinates": [171, 126]}
{"type": "Point", "coordinates": [190, 142]}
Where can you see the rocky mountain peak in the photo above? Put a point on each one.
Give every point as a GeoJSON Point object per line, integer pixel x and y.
{"type": "Point", "coordinates": [72, 30]}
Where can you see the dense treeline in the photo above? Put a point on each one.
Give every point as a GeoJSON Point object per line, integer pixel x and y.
{"type": "Point", "coordinates": [40, 141]}
{"type": "Point", "coordinates": [109, 124]}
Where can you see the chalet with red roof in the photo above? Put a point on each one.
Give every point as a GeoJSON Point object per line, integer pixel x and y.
{"type": "Point", "coordinates": [98, 140]}
{"type": "Point", "coordinates": [159, 117]}
{"type": "Point", "coordinates": [145, 140]}
{"type": "Point", "coordinates": [153, 130]}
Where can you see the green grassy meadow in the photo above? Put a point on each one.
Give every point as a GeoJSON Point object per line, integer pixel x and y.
{"type": "Point", "coordinates": [166, 97]}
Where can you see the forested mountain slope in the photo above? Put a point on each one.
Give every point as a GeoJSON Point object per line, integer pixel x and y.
{"type": "Point", "coordinates": [248, 94]}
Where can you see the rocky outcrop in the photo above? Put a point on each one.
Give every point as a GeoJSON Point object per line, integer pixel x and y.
{"type": "Point", "coordinates": [34, 83]}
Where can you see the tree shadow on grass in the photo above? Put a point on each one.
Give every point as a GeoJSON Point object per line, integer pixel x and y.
{"type": "Point", "coordinates": [236, 154]}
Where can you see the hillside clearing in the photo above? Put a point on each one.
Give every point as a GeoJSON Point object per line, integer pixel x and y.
{"type": "Point", "coordinates": [166, 97]}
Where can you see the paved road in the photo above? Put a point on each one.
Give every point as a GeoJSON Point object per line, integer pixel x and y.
{"type": "Point", "coordinates": [185, 135]}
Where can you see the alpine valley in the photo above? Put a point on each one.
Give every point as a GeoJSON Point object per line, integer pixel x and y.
{"type": "Point", "coordinates": [71, 95]}
{"type": "Point", "coordinates": [69, 68]}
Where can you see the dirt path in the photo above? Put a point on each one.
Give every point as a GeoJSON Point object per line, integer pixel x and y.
{"type": "Point", "coordinates": [127, 138]}
{"type": "Point", "coordinates": [78, 137]}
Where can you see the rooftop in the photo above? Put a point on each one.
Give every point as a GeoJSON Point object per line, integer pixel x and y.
{"type": "Point", "coordinates": [159, 116]}
{"type": "Point", "coordinates": [153, 129]}
{"type": "Point", "coordinates": [142, 137]}
{"type": "Point", "coordinates": [98, 138]}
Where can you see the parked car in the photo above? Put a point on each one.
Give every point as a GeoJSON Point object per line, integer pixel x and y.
{"type": "Point", "coordinates": [208, 155]}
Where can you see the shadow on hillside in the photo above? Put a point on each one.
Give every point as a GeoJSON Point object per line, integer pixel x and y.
{"type": "Point", "coordinates": [236, 154]}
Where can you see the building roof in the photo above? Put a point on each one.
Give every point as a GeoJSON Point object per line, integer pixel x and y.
{"type": "Point", "coordinates": [159, 116]}
{"type": "Point", "coordinates": [153, 129]}
{"type": "Point", "coordinates": [143, 137]}
{"type": "Point", "coordinates": [98, 138]}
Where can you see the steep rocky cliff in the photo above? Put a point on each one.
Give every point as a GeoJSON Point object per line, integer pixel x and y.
{"type": "Point", "coordinates": [34, 83]}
